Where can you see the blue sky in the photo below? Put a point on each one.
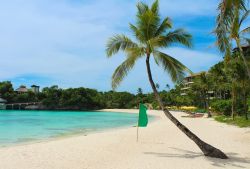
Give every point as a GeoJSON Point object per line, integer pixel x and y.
{"type": "Point", "coordinates": [62, 42]}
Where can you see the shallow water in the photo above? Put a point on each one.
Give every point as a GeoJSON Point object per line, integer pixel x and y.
{"type": "Point", "coordinates": [25, 126]}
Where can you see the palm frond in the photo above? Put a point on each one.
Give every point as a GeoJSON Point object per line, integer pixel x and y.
{"type": "Point", "coordinates": [244, 17]}
{"type": "Point", "coordinates": [138, 34]}
{"type": "Point", "coordinates": [235, 27]}
{"type": "Point", "coordinates": [118, 42]}
{"type": "Point", "coordinates": [148, 19]}
{"type": "Point", "coordinates": [175, 69]}
{"type": "Point", "coordinates": [121, 71]}
{"type": "Point", "coordinates": [227, 21]}
{"type": "Point", "coordinates": [227, 9]}
{"type": "Point", "coordinates": [148, 23]}
{"type": "Point", "coordinates": [246, 30]}
{"type": "Point", "coordinates": [222, 36]}
{"type": "Point", "coordinates": [178, 36]}
{"type": "Point", "coordinates": [135, 52]}
{"type": "Point", "coordinates": [225, 12]}
{"type": "Point", "coordinates": [156, 42]}
{"type": "Point", "coordinates": [142, 8]}
{"type": "Point", "coordinates": [166, 24]}
{"type": "Point", "coordinates": [155, 7]}
{"type": "Point", "coordinates": [222, 42]}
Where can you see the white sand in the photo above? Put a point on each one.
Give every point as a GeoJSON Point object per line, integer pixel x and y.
{"type": "Point", "coordinates": [161, 146]}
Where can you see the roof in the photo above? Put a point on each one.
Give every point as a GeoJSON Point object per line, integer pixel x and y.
{"type": "Point", "coordinates": [22, 89]}
{"type": "Point", "coordinates": [35, 86]}
{"type": "Point", "coordinates": [195, 74]}
{"type": "Point", "coordinates": [2, 100]}
{"type": "Point", "coordinates": [245, 48]}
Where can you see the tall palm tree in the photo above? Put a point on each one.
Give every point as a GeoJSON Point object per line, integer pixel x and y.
{"type": "Point", "coordinates": [153, 34]}
{"type": "Point", "coordinates": [167, 86]}
{"type": "Point", "coordinates": [240, 82]}
{"type": "Point", "coordinates": [157, 86]}
{"type": "Point", "coordinates": [139, 91]}
{"type": "Point", "coordinates": [232, 14]}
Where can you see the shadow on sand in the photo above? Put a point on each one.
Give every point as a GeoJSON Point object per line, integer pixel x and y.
{"type": "Point", "coordinates": [234, 160]}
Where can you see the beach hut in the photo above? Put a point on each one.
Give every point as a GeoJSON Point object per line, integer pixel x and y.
{"type": "Point", "coordinates": [2, 104]}
{"type": "Point", "coordinates": [22, 89]}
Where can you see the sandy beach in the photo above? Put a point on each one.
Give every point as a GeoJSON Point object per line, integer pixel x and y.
{"type": "Point", "coordinates": [161, 146]}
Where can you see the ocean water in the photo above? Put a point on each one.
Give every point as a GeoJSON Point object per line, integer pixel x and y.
{"type": "Point", "coordinates": [26, 126]}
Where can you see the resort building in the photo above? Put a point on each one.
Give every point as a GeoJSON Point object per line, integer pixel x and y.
{"type": "Point", "coordinates": [246, 50]}
{"type": "Point", "coordinates": [188, 81]}
{"type": "Point", "coordinates": [2, 104]}
{"type": "Point", "coordinates": [24, 89]}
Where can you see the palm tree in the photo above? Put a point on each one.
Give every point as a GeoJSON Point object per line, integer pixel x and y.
{"type": "Point", "coordinates": [167, 86]}
{"type": "Point", "coordinates": [232, 14]}
{"type": "Point", "coordinates": [240, 82]}
{"type": "Point", "coordinates": [157, 86]}
{"type": "Point", "coordinates": [153, 34]}
{"type": "Point", "coordinates": [139, 91]}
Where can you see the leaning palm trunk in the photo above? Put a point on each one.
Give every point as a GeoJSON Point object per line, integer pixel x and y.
{"type": "Point", "coordinates": [207, 149]}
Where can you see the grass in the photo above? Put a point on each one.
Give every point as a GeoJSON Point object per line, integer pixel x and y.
{"type": "Point", "coordinates": [238, 121]}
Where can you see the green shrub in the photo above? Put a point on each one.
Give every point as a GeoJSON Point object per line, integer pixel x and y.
{"type": "Point", "coordinates": [222, 107]}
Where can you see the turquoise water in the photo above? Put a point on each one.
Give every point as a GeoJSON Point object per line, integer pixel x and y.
{"type": "Point", "coordinates": [24, 126]}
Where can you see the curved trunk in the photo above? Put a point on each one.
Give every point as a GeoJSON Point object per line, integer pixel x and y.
{"type": "Point", "coordinates": [207, 149]}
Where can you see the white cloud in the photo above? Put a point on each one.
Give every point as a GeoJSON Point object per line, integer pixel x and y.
{"type": "Point", "coordinates": [65, 40]}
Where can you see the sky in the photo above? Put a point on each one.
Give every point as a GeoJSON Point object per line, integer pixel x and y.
{"type": "Point", "coordinates": [62, 42]}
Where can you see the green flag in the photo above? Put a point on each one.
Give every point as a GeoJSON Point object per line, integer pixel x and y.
{"type": "Point", "coordinates": [143, 118]}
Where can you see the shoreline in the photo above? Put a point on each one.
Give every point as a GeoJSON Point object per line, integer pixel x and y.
{"type": "Point", "coordinates": [78, 134]}
{"type": "Point", "coordinates": [160, 145]}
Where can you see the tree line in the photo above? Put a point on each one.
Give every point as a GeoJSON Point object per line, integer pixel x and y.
{"type": "Point", "coordinates": [88, 99]}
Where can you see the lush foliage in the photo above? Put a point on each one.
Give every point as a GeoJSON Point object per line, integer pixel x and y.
{"type": "Point", "coordinates": [238, 121]}
{"type": "Point", "coordinates": [70, 99]}
{"type": "Point", "coordinates": [222, 106]}
{"type": "Point", "coordinates": [83, 98]}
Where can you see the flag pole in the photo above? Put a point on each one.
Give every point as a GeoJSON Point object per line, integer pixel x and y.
{"type": "Point", "coordinates": [137, 133]}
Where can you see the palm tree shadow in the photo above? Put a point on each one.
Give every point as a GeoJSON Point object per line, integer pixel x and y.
{"type": "Point", "coordinates": [234, 160]}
